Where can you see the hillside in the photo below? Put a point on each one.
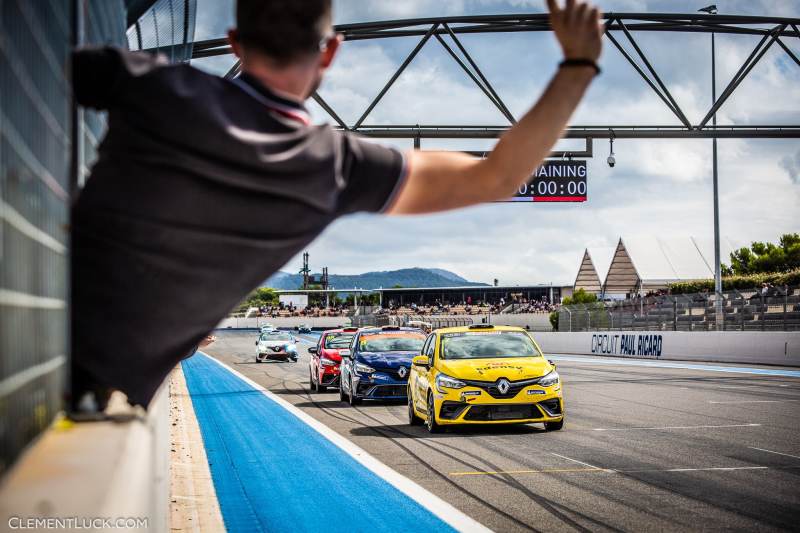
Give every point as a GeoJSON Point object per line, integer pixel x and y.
{"type": "Point", "coordinates": [406, 277]}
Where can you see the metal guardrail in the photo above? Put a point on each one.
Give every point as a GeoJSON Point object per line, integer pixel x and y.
{"type": "Point", "coordinates": [746, 310]}
{"type": "Point", "coordinates": [436, 322]}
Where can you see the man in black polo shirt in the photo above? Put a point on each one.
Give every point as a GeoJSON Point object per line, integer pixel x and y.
{"type": "Point", "coordinates": [204, 187]}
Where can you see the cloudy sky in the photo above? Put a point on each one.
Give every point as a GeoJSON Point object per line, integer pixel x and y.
{"type": "Point", "coordinates": [658, 187]}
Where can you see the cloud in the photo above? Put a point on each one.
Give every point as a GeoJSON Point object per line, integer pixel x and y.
{"type": "Point", "coordinates": [659, 187]}
{"type": "Point", "coordinates": [791, 164]}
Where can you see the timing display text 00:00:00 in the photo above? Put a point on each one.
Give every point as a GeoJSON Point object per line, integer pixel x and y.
{"type": "Point", "coordinates": [555, 181]}
{"type": "Point", "coordinates": [551, 188]}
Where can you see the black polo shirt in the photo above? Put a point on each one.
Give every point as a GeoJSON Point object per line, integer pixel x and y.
{"type": "Point", "coordinates": [202, 189]}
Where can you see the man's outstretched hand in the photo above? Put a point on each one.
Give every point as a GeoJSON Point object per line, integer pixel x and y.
{"type": "Point", "coordinates": [206, 341]}
{"type": "Point", "coordinates": [577, 28]}
{"type": "Point", "coordinates": [435, 180]}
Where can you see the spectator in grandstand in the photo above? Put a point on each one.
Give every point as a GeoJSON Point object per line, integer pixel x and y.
{"type": "Point", "coordinates": [186, 209]}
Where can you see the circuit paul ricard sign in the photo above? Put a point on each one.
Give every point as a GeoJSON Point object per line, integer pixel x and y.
{"type": "Point", "coordinates": [641, 345]}
{"type": "Point", "coordinates": [555, 180]}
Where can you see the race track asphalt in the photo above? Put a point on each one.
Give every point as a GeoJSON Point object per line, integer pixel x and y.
{"type": "Point", "coordinates": [644, 448]}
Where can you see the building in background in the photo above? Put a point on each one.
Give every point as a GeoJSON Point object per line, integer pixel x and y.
{"type": "Point", "coordinates": [46, 149]}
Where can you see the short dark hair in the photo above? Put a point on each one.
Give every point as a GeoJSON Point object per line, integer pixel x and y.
{"type": "Point", "coordinates": [284, 30]}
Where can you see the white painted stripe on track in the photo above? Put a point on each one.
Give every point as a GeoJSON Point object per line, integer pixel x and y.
{"type": "Point", "coordinates": [576, 461]}
{"type": "Point", "coordinates": [776, 453]}
{"type": "Point", "coordinates": [440, 508]}
{"type": "Point", "coordinates": [677, 427]}
{"type": "Point", "coordinates": [618, 361]}
{"type": "Point", "coordinates": [750, 401]}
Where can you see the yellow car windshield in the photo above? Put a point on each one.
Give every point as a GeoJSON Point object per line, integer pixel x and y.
{"type": "Point", "coordinates": [485, 345]}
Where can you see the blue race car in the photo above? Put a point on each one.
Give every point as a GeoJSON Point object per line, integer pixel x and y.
{"type": "Point", "coordinates": [379, 362]}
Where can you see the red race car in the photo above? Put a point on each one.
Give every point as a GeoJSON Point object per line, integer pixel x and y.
{"type": "Point", "coordinates": [323, 366]}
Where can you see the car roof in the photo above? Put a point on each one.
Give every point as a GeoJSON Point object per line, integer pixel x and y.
{"type": "Point", "coordinates": [381, 329]}
{"type": "Point", "coordinates": [340, 330]}
{"type": "Point", "coordinates": [478, 328]}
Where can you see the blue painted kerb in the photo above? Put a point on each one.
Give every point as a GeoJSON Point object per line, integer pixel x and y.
{"type": "Point", "coordinates": [273, 472]}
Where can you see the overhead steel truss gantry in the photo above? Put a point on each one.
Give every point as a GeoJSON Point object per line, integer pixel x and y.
{"type": "Point", "coordinates": [619, 27]}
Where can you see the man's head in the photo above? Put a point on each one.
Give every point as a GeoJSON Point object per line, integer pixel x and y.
{"type": "Point", "coordinates": [285, 36]}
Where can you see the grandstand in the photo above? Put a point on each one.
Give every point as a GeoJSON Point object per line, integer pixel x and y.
{"type": "Point", "coordinates": [502, 297]}
{"type": "Point", "coordinates": [772, 309]}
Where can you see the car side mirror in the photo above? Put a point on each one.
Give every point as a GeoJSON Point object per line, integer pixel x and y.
{"type": "Point", "coordinates": [313, 349]}
{"type": "Point", "coordinates": [551, 363]}
{"type": "Point", "coordinates": [421, 360]}
{"type": "Point", "coordinates": [256, 343]}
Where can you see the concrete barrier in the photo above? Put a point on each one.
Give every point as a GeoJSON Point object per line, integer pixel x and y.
{"type": "Point", "coordinates": [111, 471]}
{"type": "Point", "coordinates": [751, 347]}
{"type": "Point", "coordinates": [285, 322]}
{"type": "Point", "coordinates": [534, 321]}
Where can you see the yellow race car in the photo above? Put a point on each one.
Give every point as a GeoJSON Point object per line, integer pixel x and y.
{"type": "Point", "coordinates": [483, 374]}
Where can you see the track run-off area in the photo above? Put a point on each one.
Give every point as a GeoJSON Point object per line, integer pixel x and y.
{"type": "Point", "coordinates": [646, 447]}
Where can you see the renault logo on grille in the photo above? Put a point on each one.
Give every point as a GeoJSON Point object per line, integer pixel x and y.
{"type": "Point", "coordinates": [402, 371]}
{"type": "Point", "coordinates": [503, 385]}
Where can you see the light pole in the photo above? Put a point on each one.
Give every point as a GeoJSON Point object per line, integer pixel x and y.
{"type": "Point", "coordinates": [712, 10]}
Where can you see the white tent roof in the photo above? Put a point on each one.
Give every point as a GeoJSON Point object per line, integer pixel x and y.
{"type": "Point", "coordinates": [601, 257]}
{"type": "Point", "coordinates": [642, 261]}
{"type": "Point", "coordinates": [588, 279]}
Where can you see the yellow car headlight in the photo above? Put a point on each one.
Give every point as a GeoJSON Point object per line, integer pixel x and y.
{"type": "Point", "coordinates": [443, 381]}
{"type": "Point", "coordinates": [549, 380]}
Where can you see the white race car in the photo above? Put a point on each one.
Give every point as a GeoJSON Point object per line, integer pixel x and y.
{"type": "Point", "coordinates": [276, 345]}
{"type": "Point", "coordinates": [268, 328]}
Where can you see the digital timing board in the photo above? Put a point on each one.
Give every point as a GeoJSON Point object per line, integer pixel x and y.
{"type": "Point", "coordinates": [555, 181]}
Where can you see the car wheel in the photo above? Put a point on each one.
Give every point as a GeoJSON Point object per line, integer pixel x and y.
{"type": "Point", "coordinates": [352, 398]}
{"type": "Point", "coordinates": [258, 359]}
{"type": "Point", "coordinates": [341, 392]}
{"type": "Point", "coordinates": [554, 426]}
{"type": "Point", "coordinates": [413, 419]}
{"type": "Point", "coordinates": [311, 385]}
{"type": "Point", "coordinates": [430, 417]}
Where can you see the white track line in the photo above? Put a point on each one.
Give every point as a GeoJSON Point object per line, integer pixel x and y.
{"type": "Point", "coordinates": [710, 468]}
{"type": "Point", "coordinates": [440, 508]}
{"type": "Point", "coordinates": [579, 462]}
{"type": "Point", "coordinates": [753, 401]}
{"type": "Point", "coordinates": [623, 471]}
{"type": "Point", "coordinates": [678, 427]}
{"type": "Point", "coordinates": [776, 453]}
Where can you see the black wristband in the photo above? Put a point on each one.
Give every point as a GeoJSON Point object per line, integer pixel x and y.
{"type": "Point", "coordinates": [580, 63]}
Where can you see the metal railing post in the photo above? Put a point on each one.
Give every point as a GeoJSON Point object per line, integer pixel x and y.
{"type": "Point", "coordinates": [785, 302]}
{"type": "Point", "coordinates": [741, 311]}
{"type": "Point", "coordinates": [674, 314]}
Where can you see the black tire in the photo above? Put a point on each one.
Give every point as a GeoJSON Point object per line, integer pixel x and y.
{"type": "Point", "coordinates": [352, 399]}
{"type": "Point", "coordinates": [554, 426]}
{"type": "Point", "coordinates": [413, 419]}
{"type": "Point", "coordinates": [430, 417]}
{"type": "Point", "coordinates": [311, 384]}
{"type": "Point", "coordinates": [342, 397]}
{"type": "Point", "coordinates": [258, 360]}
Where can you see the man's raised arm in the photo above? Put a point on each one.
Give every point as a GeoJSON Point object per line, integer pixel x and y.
{"type": "Point", "coordinates": [436, 180]}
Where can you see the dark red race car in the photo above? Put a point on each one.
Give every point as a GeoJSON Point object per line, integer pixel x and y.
{"type": "Point", "coordinates": [323, 366]}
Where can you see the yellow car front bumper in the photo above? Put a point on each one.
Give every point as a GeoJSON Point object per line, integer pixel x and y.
{"type": "Point", "coordinates": [472, 405]}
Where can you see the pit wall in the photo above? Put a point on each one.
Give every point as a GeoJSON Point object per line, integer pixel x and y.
{"type": "Point", "coordinates": [750, 347]}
